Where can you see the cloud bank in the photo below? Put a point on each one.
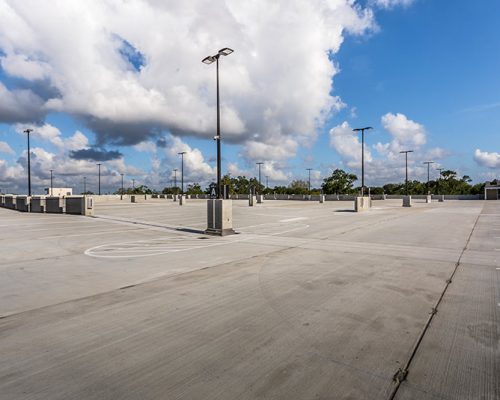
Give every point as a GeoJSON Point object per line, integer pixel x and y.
{"type": "Point", "coordinates": [129, 81]}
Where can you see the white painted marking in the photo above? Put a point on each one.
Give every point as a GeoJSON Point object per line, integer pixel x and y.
{"type": "Point", "coordinates": [294, 219]}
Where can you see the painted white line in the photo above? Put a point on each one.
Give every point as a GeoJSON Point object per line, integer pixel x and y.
{"type": "Point", "coordinates": [293, 219]}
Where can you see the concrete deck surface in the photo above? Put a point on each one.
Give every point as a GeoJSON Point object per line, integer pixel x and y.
{"type": "Point", "coordinates": [309, 301]}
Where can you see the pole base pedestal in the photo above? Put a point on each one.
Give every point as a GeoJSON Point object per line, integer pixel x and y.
{"type": "Point", "coordinates": [219, 217]}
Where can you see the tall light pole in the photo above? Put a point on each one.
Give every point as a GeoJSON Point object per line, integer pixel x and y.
{"type": "Point", "coordinates": [175, 179]}
{"type": "Point", "coordinates": [182, 171]}
{"type": "Point", "coordinates": [439, 179]}
{"type": "Point", "coordinates": [260, 165]}
{"type": "Point", "coordinates": [28, 131]}
{"type": "Point", "coordinates": [209, 60]}
{"type": "Point", "coordinates": [428, 172]}
{"type": "Point", "coordinates": [362, 130]}
{"type": "Point", "coordinates": [51, 183]}
{"type": "Point", "coordinates": [267, 181]}
{"type": "Point", "coordinates": [121, 197]}
{"type": "Point", "coordinates": [84, 185]}
{"type": "Point", "coordinates": [309, 182]}
{"type": "Point", "coordinates": [406, 179]}
{"type": "Point", "coordinates": [99, 185]}
{"type": "Point", "coordinates": [133, 184]}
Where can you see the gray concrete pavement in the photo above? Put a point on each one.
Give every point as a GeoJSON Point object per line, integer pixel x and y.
{"type": "Point", "coordinates": [309, 301]}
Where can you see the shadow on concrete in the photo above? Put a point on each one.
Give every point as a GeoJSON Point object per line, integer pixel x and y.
{"type": "Point", "coordinates": [190, 230]}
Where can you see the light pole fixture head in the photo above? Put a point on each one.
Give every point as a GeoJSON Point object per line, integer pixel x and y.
{"type": "Point", "coordinates": [208, 60]}
{"type": "Point", "coordinates": [225, 51]}
{"type": "Point", "coordinates": [406, 151]}
{"type": "Point", "coordinates": [28, 130]}
{"type": "Point", "coordinates": [362, 129]}
{"type": "Point", "coordinates": [428, 162]}
{"type": "Point", "coordinates": [182, 152]}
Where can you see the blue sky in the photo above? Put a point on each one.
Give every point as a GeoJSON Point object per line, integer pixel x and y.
{"type": "Point", "coordinates": [423, 73]}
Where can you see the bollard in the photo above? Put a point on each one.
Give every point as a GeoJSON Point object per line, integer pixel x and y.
{"type": "Point", "coordinates": [260, 199]}
{"type": "Point", "coordinates": [182, 200]}
{"type": "Point", "coordinates": [428, 199]}
{"type": "Point", "coordinates": [406, 201]}
{"type": "Point", "coordinates": [321, 198]}
{"type": "Point", "coordinates": [362, 203]}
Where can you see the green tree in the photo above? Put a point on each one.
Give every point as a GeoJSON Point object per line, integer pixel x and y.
{"type": "Point", "coordinates": [194, 188]}
{"type": "Point", "coordinates": [339, 182]}
{"type": "Point", "coordinates": [298, 187]}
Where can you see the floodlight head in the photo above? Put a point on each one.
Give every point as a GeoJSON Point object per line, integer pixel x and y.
{"type": "Point", "coordinates": [225, 51]}
{"type": "Point", "coordinates": [362, 129]}
{"type": "Point", "coordinates": [208, 60]}
{"type": "Point", "coordinates": [182, 152]}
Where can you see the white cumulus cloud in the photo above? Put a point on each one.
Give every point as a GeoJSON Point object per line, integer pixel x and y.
{"type": "Point", "coordinates": [128, 82]}
{"type": "Point", "coordinates": [487, 159]}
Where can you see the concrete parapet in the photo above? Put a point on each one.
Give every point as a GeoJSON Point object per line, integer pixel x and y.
{"type": "Point", "coordinates": [406, 201]}
{"type": "Point", "coordinates": [362, 204]}
{"type": "Point", "coordinates": [79, 205]}
{"type": "Point", "coordinates": [38, 204]}
{"type": "Point", "coordinates": [23, 203]}
{"type": "Point", "coordinates": [10, 202]}
{"type": "Point", "coordinates": [54, 205]}
{"type": "Point", "coordinates": [441, 198]}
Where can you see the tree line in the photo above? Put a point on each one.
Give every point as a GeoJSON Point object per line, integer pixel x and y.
{"type": "Point", "coordinates": [339, 182]}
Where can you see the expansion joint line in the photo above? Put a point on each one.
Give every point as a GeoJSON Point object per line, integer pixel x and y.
{"type": "Point", "coordinates": [402, 373]}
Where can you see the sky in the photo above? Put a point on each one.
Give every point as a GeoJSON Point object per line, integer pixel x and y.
{"type": "Point", "coordinates": [121, 83]}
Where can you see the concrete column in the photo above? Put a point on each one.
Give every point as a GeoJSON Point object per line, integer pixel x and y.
{"type": "Point", "coordinates": [260, 199]}
{"type": "Point", "coordinates": [251, 200]}
{"type": "Point", "coordinates": [406, 201]}
{"type": "Point", "coordinates": [23, 203]}
{"type": "Point", "coordinates": [182, 200]}
{"type": "Point", "coordinates": [321, 198]}
{"type": "Point", "coordinates": [219, 217]}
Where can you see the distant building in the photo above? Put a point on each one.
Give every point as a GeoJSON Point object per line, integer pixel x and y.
{"type": "Point", "coordinates": [491, 192]}
{"type": "Point", "coordinates": [59, 192]}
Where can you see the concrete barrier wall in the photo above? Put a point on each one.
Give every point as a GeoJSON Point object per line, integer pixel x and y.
{"type": "Point", "coordinates": [23, 203]}
{"type": "Point", "coordinates": [10, 202]}
{"type": "Point", "coordinates": [54, 205]}
{"type": "Point", "coordinates": [38, 204]}
{"type": "Point", "coordinates": [79, 205]}
{"type": "Point", "coordinates": [109, 197]}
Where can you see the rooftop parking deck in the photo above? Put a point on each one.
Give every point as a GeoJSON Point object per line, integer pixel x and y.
{"type": "Point", "coordinates": [308, 301]}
